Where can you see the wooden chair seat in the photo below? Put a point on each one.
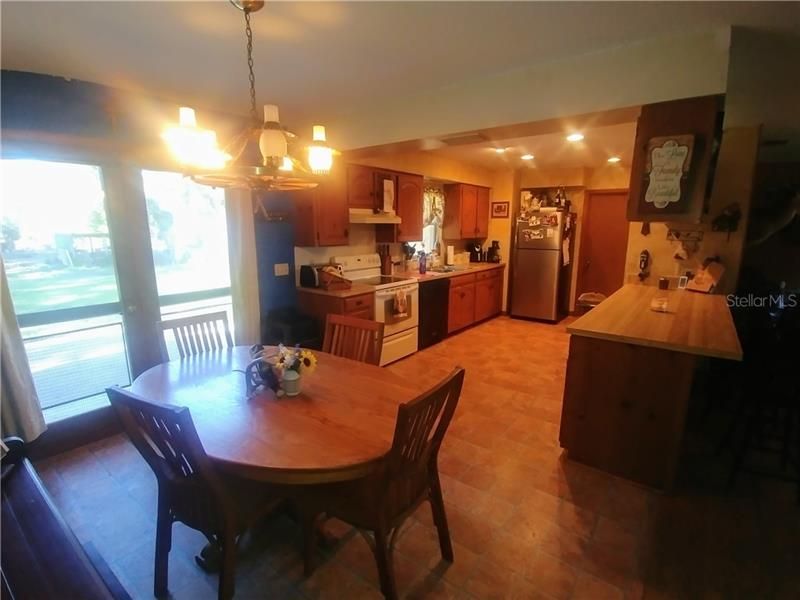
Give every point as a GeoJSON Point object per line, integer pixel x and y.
{"type": "Point", "coordinates": [354, 338]}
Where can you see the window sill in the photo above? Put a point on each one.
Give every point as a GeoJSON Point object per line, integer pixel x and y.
{"type": "Point", "coordinates": [76, 408]}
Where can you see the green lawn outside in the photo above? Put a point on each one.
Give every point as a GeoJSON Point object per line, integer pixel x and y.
{"type": "Point", "coordinates": [42, 288]}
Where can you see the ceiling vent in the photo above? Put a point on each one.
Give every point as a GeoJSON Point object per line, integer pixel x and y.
{"type": "Point", "coordinates": [465, 139]}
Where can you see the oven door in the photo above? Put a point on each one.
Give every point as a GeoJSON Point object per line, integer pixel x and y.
{"type": "Point", "coordinates": [386, 309]}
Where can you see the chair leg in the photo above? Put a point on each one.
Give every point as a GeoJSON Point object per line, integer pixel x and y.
{"type": "Point", "coordinates": [227, 573]}
{"type": "Point", "coordinates": [385, 568]}
{"type": "Point", "coordinates": [309, 525]}
{"type": "Point", "coordinates": [163, 546]}
{"type": "Point", "coordinates": [440, 518]}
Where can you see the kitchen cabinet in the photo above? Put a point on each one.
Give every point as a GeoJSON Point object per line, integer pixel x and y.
{"type": "Point", "coordinates": [360, 186]}
{"type": "Point", "coordinates": [320, 305]}
{"type": "Point", "coordinates": [321, 215]}
{"type": "Point", "coordinates": [461, 303]}
{"type": "Point", "coordinates": [408, 201]}
{"type": "Point", "coordinates": [482, 213]}
{"type": "Point", "coordinates": [474, 297]}
{"type": "Point", "coordinates": [488, 294]}
{"type": "Point", "coordinates": [466, 212]}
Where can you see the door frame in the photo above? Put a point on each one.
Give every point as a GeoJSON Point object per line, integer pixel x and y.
{"type": "Point", "coordinates": [588, 196]}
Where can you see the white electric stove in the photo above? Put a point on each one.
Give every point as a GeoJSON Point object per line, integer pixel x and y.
{"type": "Point", "coordinates": [401, 329]}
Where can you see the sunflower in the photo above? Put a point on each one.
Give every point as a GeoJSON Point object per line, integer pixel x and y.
{"type": "Point", "coordinates": [308, 362]}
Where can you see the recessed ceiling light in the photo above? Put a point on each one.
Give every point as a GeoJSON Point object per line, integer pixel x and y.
{"type": "Point", "coordinates": [500, 150]}
{"type": "Point", "coordinates": [614, 159]}
{"type": "Point", "coordinates": [574, 137]}
{"type": "Point", "coordinates": [527, 157]}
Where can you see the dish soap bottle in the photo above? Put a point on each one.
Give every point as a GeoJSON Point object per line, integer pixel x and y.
{"type": "Point", "coordinates": [423, 261]}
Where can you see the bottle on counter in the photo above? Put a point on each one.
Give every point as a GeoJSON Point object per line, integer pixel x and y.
{"type": "Point", "coordinates": [423, 262]}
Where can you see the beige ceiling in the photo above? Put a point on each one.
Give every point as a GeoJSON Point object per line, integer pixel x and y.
{"type": "Point", "coordinates": [551, 150]}
{"type": "Point", "coordinates": [321, 59]}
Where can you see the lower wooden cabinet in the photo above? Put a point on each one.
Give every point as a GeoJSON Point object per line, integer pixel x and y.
{"type": "Point", "coordinates": [474, 297]}
{"type": "Point", "coordinates": [319, 306]}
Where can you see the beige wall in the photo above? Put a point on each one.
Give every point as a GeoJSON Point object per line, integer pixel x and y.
{"type": "Point", "coordinates": [505, 188]}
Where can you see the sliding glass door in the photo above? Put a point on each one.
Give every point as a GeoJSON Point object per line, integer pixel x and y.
{"type": "Point", "coordinates": [57, 251]}
{"type": "Point", "coordinates": [95, 256]}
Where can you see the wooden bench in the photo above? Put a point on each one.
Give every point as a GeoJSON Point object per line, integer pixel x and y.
{"type": "Point", "coordinates": [41, 557]}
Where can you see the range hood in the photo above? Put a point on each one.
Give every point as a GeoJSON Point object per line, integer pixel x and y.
{"type": "Point", "coordinates": [369, 217]}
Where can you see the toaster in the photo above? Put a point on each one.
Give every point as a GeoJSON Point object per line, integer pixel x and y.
{"type": "Point", "coordinates": [309, 276]}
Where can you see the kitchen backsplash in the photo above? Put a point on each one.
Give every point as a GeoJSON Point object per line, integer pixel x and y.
{"type": "Point", "coordinates": [362, 241]}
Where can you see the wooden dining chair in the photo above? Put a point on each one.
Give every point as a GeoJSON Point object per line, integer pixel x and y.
{"type": "Point", "coordinates": [354, 338]}
{"type": "Point", "coordinates": [190, 490]}
{"type": "Point", "coordinates": [407, 476]}
{"type": "Point", "coordinates": [196, 334]}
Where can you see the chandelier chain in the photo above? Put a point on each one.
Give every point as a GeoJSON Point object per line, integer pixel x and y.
{"type": "Point", "coordinates": [249, 33]}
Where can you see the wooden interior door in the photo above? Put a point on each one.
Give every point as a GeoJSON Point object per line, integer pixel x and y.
{"type": "Point", "coordinates": [604, 242]}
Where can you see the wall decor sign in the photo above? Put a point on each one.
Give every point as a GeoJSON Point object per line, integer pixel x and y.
{"type": "Point", "coordinates": [667, 169]}
{"type": "Point", "coordinates": [500, 210]}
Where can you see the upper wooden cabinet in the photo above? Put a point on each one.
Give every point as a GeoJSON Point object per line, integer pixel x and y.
{"type": "Point", "coordinates": [466, 211]}
{"type": "Point", "coordinates": [322, 217]}
{"type": "Point", "coordinates": [696, 120]}
{"type": "Point", "coordinates": [409, 209]}
{"type": "Point", "coordinates": [361, 187]}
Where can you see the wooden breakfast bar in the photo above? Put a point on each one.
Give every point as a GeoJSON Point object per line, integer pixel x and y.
{"type": "Point", "coordinates": [629, 378]}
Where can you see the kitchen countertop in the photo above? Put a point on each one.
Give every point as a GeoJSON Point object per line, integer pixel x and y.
{"type": "Point", "coordinates": [431, 275]}
{"type": "Point", "coordinates": [359, 288]}
{"type": "Point", "coordinates": [695, 323]}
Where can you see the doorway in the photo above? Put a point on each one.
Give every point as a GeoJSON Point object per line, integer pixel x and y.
{"type": "Point", "coordinates": [604, 242]}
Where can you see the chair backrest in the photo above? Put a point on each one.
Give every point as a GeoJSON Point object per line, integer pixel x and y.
{"type": "Point", "coordinates": [199, 333]}
{"type": "Point", "coordinates": [350, 337]}
{"type": "Point", "coordinates": [420, 428]}
{"type": "Point", "coordinates": [166, 438]}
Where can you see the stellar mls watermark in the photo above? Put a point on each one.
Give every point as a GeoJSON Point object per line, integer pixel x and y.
{"type": "Point", "coordinates": [758, 301]}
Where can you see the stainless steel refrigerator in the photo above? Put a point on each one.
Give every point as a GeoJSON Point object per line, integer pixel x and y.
{"type": "Point", "coordinates": [538, 270]}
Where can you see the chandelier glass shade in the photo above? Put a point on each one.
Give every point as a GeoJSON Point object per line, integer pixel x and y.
{"type": "Point", "coordinates": [262, 156]}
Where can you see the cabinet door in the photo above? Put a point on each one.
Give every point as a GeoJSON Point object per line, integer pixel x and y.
{"type": "Point", "coordinates": [360, 187]}
{"type": "Point", "coordinates": [484, 299]}
{"type": "Point", "coordinates": [482, 213]}
{"type": "Point", "coordinates": [461, 307]}
{"type": "Point", "coordinates": [379, 178]}
{"type": "Point", "coordinates": [469, 211]}
{"type": "Point", "coordinates": [497, 290]}
{"type": "Point", "coordinates": [305, 225]}
{"type": "Point", "coordinates": [409, 207]}
{"type": "Point", "coordinates": [333, 217]}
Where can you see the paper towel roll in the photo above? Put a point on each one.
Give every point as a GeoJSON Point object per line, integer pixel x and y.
{"type": "Point", "coordinates": [450, 256]}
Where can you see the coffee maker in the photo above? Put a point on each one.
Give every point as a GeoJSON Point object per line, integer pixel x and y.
{"type": "Point", "coordinates": [475, 252]}
{"type": "Point", "coordinates": [493, 253]}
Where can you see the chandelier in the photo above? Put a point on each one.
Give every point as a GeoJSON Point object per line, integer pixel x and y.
{"type": "Point", "coordinates": [263, 156]}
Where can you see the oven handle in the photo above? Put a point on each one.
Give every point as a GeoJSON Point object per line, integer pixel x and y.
{"type": "Point", "coordinates": [391, 292]}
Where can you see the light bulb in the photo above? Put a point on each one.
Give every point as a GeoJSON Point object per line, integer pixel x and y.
{"type": "Point", "coordinates": [614, 159]}
{"type": "Point", "coordinates": [318, 134]}
{"type": "Point", "coordinates": [272, 143]}
{"type": "Point", "coordinates": [527, 157]}
{"type": "Point", "coordinates": [575, 137]}
{"type": "Point", "coordinates": [286, 164]}
{"type": "Point", "coordinates": [186, 117]}
{"type": "Point", "coordinates": [320, 159]}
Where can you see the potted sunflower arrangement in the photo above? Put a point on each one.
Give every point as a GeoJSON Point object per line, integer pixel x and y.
{"type": "Point", "coordinates": [292, 364]}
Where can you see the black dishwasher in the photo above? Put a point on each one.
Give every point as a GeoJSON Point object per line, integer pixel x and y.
{"type": "Point", "coordinates": [433, 299]}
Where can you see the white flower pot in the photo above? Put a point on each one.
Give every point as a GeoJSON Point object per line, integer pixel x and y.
{"type": "Point", "coordinates": [291, 382]}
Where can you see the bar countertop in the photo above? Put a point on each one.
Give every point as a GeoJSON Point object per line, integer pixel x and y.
{"type": "Point", "coordinates": [695, 323]}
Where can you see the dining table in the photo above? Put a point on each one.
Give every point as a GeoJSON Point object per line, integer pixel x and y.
{"type": "Point", "coordinates": [338, 428]}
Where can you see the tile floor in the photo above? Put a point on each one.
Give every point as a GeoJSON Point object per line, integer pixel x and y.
{"type": "Point", "coordinates": [526, 523]}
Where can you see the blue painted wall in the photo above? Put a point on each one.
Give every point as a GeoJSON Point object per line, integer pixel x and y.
{"type": "Point", "coordinates": [275, 245]}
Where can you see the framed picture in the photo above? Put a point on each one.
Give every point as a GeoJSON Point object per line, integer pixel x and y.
{"type": "Point", "coordinates": [500, 210]}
